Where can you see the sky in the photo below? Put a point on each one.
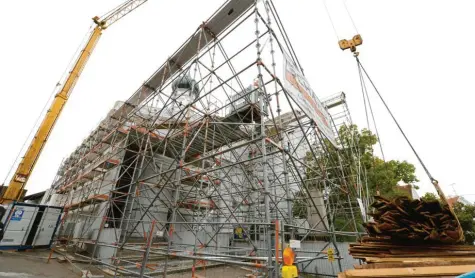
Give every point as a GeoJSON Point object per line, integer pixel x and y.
{"type": "Point", "coordinates": [417, 53]}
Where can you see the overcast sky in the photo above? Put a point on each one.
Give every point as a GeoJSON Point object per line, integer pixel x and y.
{"type": "Point", "coordinates": [417, 52]}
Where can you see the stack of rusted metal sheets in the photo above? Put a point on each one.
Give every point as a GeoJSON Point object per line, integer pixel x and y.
{"type": "Point", "coordinates": [411, 238]}
{"type": "Point", "coordinates": [416, 220]}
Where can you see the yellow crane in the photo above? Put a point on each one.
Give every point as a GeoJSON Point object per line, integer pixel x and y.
{"type": "Point", "coordinates": [19, 179]}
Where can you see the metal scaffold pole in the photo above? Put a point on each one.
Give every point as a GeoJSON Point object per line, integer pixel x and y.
{"type": "Point", "coordinates": [211, 161]}
{"type": "Point", "coordinates": [262, 105]}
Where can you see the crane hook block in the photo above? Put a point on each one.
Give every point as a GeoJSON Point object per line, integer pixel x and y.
{"type": "Point", "coordinates": [351, 44]}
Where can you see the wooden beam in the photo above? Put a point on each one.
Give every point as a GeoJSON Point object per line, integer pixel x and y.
{"type": "Point", "coordinates": [411, 271]}
{"type": "Point", "coordinates": [412, 264]}
{"type": "Point", "coordinates": [409, 259]}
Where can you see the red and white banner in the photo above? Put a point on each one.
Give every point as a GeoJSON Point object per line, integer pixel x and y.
{"type": "Point", "coordinates": [299, 89]}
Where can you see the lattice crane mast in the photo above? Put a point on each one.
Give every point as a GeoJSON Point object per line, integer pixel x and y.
{"type": "Point", "coordinates": [19, 179]}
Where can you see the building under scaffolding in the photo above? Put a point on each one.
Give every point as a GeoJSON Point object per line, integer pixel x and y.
{"type": "Point", "coordinates": [204, 163]}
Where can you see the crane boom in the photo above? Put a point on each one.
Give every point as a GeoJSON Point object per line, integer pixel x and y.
{"type": "Point", "coordinates": [19, 179]}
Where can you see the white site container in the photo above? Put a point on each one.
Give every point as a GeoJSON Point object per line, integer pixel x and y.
{"type": "Point", "coordinates": [29, 226]}
{"type": "Point", "coordinates": [47, 227]}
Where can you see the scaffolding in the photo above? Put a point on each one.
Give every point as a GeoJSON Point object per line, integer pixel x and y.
{"type": "Point", "coordinates": [205, 164]}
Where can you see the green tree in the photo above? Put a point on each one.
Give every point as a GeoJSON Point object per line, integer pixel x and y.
{"type": "Point", "coordinates": [356, 152]}
{"type": "Point", "coordinates": [465, 214]}
{"type": "Point", "coordinates": [383, 176]}
{"type": "Point", "coordinates": [429, 197]}
{"type": "Point", "coordinates": [342, 166]}
{"type": "Point", "coordinates": [299, 208]}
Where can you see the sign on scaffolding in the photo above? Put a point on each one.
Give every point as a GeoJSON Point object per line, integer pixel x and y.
{"type": "Point", "coordinates": [362, 208]}
{"type": "Point", "coordinates": [300, 91]}
{"type": "Point", "coordinates": [331, 254]}
{"type": "Point", "coordinates": [294, 244]}
{"type": "Point", "coordinates": [239, 233]}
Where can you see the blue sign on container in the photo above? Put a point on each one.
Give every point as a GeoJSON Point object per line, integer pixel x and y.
{"type": "Point", "coordinates": [17, 215]}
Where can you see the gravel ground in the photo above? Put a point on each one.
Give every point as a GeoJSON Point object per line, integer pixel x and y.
{"type": "Point", "coordinates": [215, 272]}
{"type": "Point", "coordinates": [33, 264]}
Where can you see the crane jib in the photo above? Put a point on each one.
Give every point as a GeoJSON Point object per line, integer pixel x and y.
{"type": "Point", "coordinates": [16, 186]}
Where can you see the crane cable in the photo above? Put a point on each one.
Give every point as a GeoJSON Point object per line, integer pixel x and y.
{"type": "Point", "coordinates": [366, 99]}
{"type": "Point", "coordinates": [349, 15]}
{"type": "Point", "coordinates": [360, 66]}
{"type": "Point", "coordinates": [33, 128]}
{"type": "Point", "coordinates": [46, 105]}
{"type": "Point", "coordinates": [331, 19]}
{"type": "Point", "coordinates": [362, 70]}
